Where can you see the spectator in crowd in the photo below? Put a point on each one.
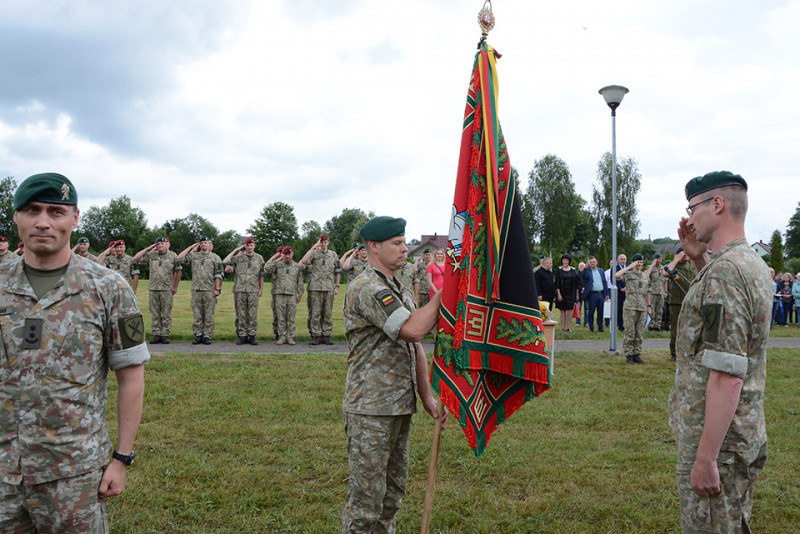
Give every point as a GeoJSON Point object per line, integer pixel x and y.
{"type": "Point", "coordinates": [784, 289]}
{"type": "Point", "coordinates": [622, 262]}
{"type": "Point", "coordinates": [567, 285]}
{"type": "Point", "coordinates": [582, 304]}
{"type": "Point", "coordinates": [796, 297]}
{"type": "Point", "coordinates": [545, 282]}
{"type": "Point", "coordinates": [595, 293]}
{"type": "Point", "coordinates": [435, 273]}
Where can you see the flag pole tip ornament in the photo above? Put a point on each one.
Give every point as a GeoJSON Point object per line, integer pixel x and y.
{"type": "Point", "coordinates": [490, 353]}
{"type": "Point", "coordinates": [486, 21]}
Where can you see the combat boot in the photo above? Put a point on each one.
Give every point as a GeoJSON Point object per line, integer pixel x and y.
{"type": "Point", "coordinates": [242, 340]}
{"type": "Point", "coordinates": [316, 340]}
{"type": "Point", "coordinates": [252, 340]}
{"type": "Point", "coordinates": [290, 341]}
{"type": "Point", "coordinates": [281, 341]}
{"type": "Point", "coordinates": [197, 340]}
{"type": "Point", "coordinates": [156, 339]}
{"type": "Point", "coordinates": [628, 359]}
{"type": "Point", "coordinates": [637, 359]}
{"type": "Point", "coordinates": [165, 340]}
{"type": "Point", "coordinates": [206, 340]}
{"type": "Point", "coordinates": [327, 340]}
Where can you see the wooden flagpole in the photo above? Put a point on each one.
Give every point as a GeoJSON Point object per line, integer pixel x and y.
{"type": "Point", "coordinates": [429, 489]}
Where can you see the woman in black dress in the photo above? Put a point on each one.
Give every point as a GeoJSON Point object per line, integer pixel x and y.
{"type": "Point", "coordinates": [567, 289]}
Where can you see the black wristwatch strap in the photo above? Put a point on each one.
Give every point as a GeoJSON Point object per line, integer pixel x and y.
{"type": "Point", "coordinates": [127, 460]}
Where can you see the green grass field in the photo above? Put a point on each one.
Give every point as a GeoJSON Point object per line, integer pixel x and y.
{"type": "Point", "coordinates": [254, 443]}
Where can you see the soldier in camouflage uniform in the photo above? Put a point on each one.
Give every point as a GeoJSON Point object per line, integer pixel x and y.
{"type": "Point", "coordinates": [165, 273]}
{"type": "Point", "coordinates": [636, 306]}
{"type": "Point", "coordinates": [248, 286]}
{"type": "Point", "coordinates": [287, 285]}
{"type": "Point", "coordinates": [82, 249]}
{"type": "Point", "coordinates": [324, 274]}
{"type": "Point", "coordinates": [716, 406]}
{"type": "Point", "coordinates": [5, 254]}
{"type": "Point", "coordinates": [678, 286]}
{"type": "Point", "coordinates": [114, 258]}
{"type": "Point", "coordinates": [421, 286]}
{"type": "Point", "coordinates": [386, 365]}
{"type": "Point", "coordinates": [657, 292]}
{"type": "Point", "coordinates": [355, 264]}
{"type": "Point", "coordinates": [206, 287]}
{"type": "Point", "coordinates": [65, 322]}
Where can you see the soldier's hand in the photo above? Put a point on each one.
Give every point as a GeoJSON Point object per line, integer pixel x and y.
{"type": "Point", "coordinates": [336, 290]}
{"type": "Point", "coordinates": [705, 478]}
{"type": "Point", "coordinates": [113, 481]}
{"type": "Point", "coordinates": [432, 407]}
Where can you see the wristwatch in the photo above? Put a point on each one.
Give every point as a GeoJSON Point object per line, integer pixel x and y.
{"type": "Point", "coordinates": [127, 460]}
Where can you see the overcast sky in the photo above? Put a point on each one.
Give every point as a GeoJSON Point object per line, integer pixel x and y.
{"type": "Point", "coordinates": [220, 108]}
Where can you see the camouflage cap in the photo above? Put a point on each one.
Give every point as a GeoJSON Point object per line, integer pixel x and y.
{"type": "Point", "coordinates": [712, 180]}
{"type": "Point", "coordinates": [383, 228]}
{"type": "Point", "coordinates": [83, 240]}
{"type": "Point", "coordinates": [48, 187]}
{"type": "Point", "coordinates": [636, 257]}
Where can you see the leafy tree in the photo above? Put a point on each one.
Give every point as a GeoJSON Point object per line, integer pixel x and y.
{"type": "Point", "coordinates": [187, 230]}
{"type": "Point", "coordinates": [665, 241]}
{"type": "Point", "coordinates": [7, 226]}
{"type": "Point", "coordinates": [225, 242]}
{"type": "Point", "coordinates": [668, 256]}
{"type": "Point", "coordinates": [552, 203]}
{"type": "Point", "coordinates": [629, 181]}
{"type": "Point", "coordinates": [648, 250]}
{"type": "Point", "coordinates": [343, 229]}
{"type": "Point", "coordinates": [793, 234]}
{"type": "Point", "coordinates": [603, 255]}
{"type": "Point", "coordinates": [276, 226]}
{"type": "Point", "coordinates": [584, 241]}
{"type": "Point", "coordinates": [776, 252]}
{"type": "Point", "coordinates": [311, 230]}
{"type": "Point", "coordinates": [118, 220]}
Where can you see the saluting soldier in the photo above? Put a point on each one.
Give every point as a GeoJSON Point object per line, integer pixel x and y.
{"type": "Point", "coordinates": [248, 286]}
{"type": "Point", "coordinates": [678, 286]}
{"type": "Point", "coordinates": [64, 322]}
{"type": "Point", "coordinates": [636, 306]}
{"type": "Point", "coordinates": [6, 255]}
{"type": "Point", "coordinates": [114, 258]}
{"type": "Point", "coordinates": [165, 274]}
{"type": "Point", "coordinates": [324, 274]}
{"type": "Point", "coordinates": [287, 286]}
{"type": "Point", "coordinates": [354, 261]}
{"type": "Point", "coordinates": [82, 249]}
{"type": "Point", "coordinates": [386, 368]}
{"type": "Point", "coordinates": [716, 406]}
{"type": "Point", "coordinates": [421, 287]}
{"type": "Point", "coordinates": [206, 287]}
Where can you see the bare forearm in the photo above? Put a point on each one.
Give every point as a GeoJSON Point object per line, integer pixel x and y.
{"type": "Point", "coordinates": [130, 397]}
{"type": "Point", "coordinates": [423, 378]}
{"type": "Point", "coordinates": [421, 321]}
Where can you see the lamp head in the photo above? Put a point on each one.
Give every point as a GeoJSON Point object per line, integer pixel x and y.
{"type": "Point", "coordinates": [613, 95]}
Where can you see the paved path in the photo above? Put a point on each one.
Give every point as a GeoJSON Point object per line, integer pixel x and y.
{"type": "Point", "coordinates": [340, 347]}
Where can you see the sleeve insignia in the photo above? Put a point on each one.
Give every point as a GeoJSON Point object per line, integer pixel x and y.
{"type": "Point", "coordinates": [387, 301]}
{"type": "Point", "coordinates": [132, 331]}
{"type": "Point", "coordinates": [712, 315]}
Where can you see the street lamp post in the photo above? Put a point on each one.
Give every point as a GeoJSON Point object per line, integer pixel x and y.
{"type": "Point", "coordinates": [613, 95]}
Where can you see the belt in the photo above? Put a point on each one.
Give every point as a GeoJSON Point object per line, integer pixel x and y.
{"type": "Point", "coordinates": [601, 291]}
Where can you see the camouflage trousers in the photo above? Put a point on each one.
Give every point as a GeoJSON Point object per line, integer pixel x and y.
{"type": "Point", "coordinates": [657, 301]}
{"type": "Point", "coordinates": [377, 451]}
{"type": "Point", "coordinates": [633, 321]}
{"type": "Point", "coordinates": [246, 306]}
{"type": "Point", "coordinates": [203, 304]}
{"type": "Point", "coordinates": [286, 309]}
{"type": "Point", "coordinates": [674, 311]}
{"type": "Point", "coordinates": [161, 312]}
{"type": "Point", "coordinates": [320, 313]}
{"type": "Point", "coordinates": [729, 511]}
{"type": "Point", "coordinates": [275, 316]}
{"type": "Point", "coordinates": [424, 297]}
{"type": "Point", "coordinates": [66, 506]}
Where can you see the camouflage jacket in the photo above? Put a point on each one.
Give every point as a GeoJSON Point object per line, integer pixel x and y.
{"type": "Point", "coordinates": [421, 277]}
{"type": "Point", "coordinates": [636, 289]}
{"type": "Point", "coordinates": [246, 272]}
{"type": "Point", "coordinates": [357, 266]}
{"type": "Point", "coordinates": [287, 279]}
{"type": "Point", "coordinates": [381, 377]}
{"type": "Point", "coordinates": [689, 271]}
{"type": "Point", "coordinates": [206, 267]}
{"type": "Point", "coordinates": [405, 275]}
{"type": "Point", "coordinates": [162, 269]}
{"type": "Point", "coordinates": [89, 256]}
{"type": "Point", "coordinates": [124, 266]}
{"type": "Point", "coordinates": [657, 280]}
{"type": "Point", "coordinates": [7, 257]}
{"type": "Point", "coordinates": [322, 268]}
{"type": "Point", "coordinates": [54, 362]}
{"type": "Point", "coordinates": [723, 326]}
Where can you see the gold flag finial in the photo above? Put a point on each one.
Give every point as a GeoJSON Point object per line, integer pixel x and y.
{"type": "Point", "coordinates": [486, 21]}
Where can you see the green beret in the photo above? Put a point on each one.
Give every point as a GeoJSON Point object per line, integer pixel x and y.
{"type": "Point", "coordinates": [48, 187]}
{"type": "Point", "coordinates": [680, 249]}
{"type": "Point", "coordinates": [361, 246]}
{"type": "Point", "coordinates": [83, 240]}
{"type": "Point", "coordinates": [636, 257]}
{"type": "Point", "coordinates": [426, 251]}
{"type": "Point", "coordinates": [383, 228]}
{"type": "Point", "coordinates": [712, 180]}
{"type": "Point", "coordinates": [160, 239]}
{"type": "Point", "coordinates": [657, 255]}
{"type": "Point", "coordinates": [204, 238]}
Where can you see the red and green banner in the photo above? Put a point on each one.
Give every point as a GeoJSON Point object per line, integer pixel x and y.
{"type": "Point", "coordinates": [490, 355]}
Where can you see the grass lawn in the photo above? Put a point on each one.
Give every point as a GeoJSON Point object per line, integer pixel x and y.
{"type": "Point", "coordinates": [254, 443]}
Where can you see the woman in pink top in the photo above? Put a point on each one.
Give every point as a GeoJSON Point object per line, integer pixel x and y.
{"type": "Point", "coordinates": [435, 272]}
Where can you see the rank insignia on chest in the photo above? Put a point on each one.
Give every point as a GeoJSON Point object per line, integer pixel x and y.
{"type": "Point", "coordinates": [33, 334]}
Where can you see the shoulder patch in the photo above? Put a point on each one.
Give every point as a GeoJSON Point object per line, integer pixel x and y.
{"type": "Point", "coordinates": [132, 331]}
{"type": "Point", "coordinates": [389, 303]}
{"type": "Point", "coordinates": [712, 315]}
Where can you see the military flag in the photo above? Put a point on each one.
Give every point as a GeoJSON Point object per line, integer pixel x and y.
{"type": "Point", "coordinates": [489, 357]}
